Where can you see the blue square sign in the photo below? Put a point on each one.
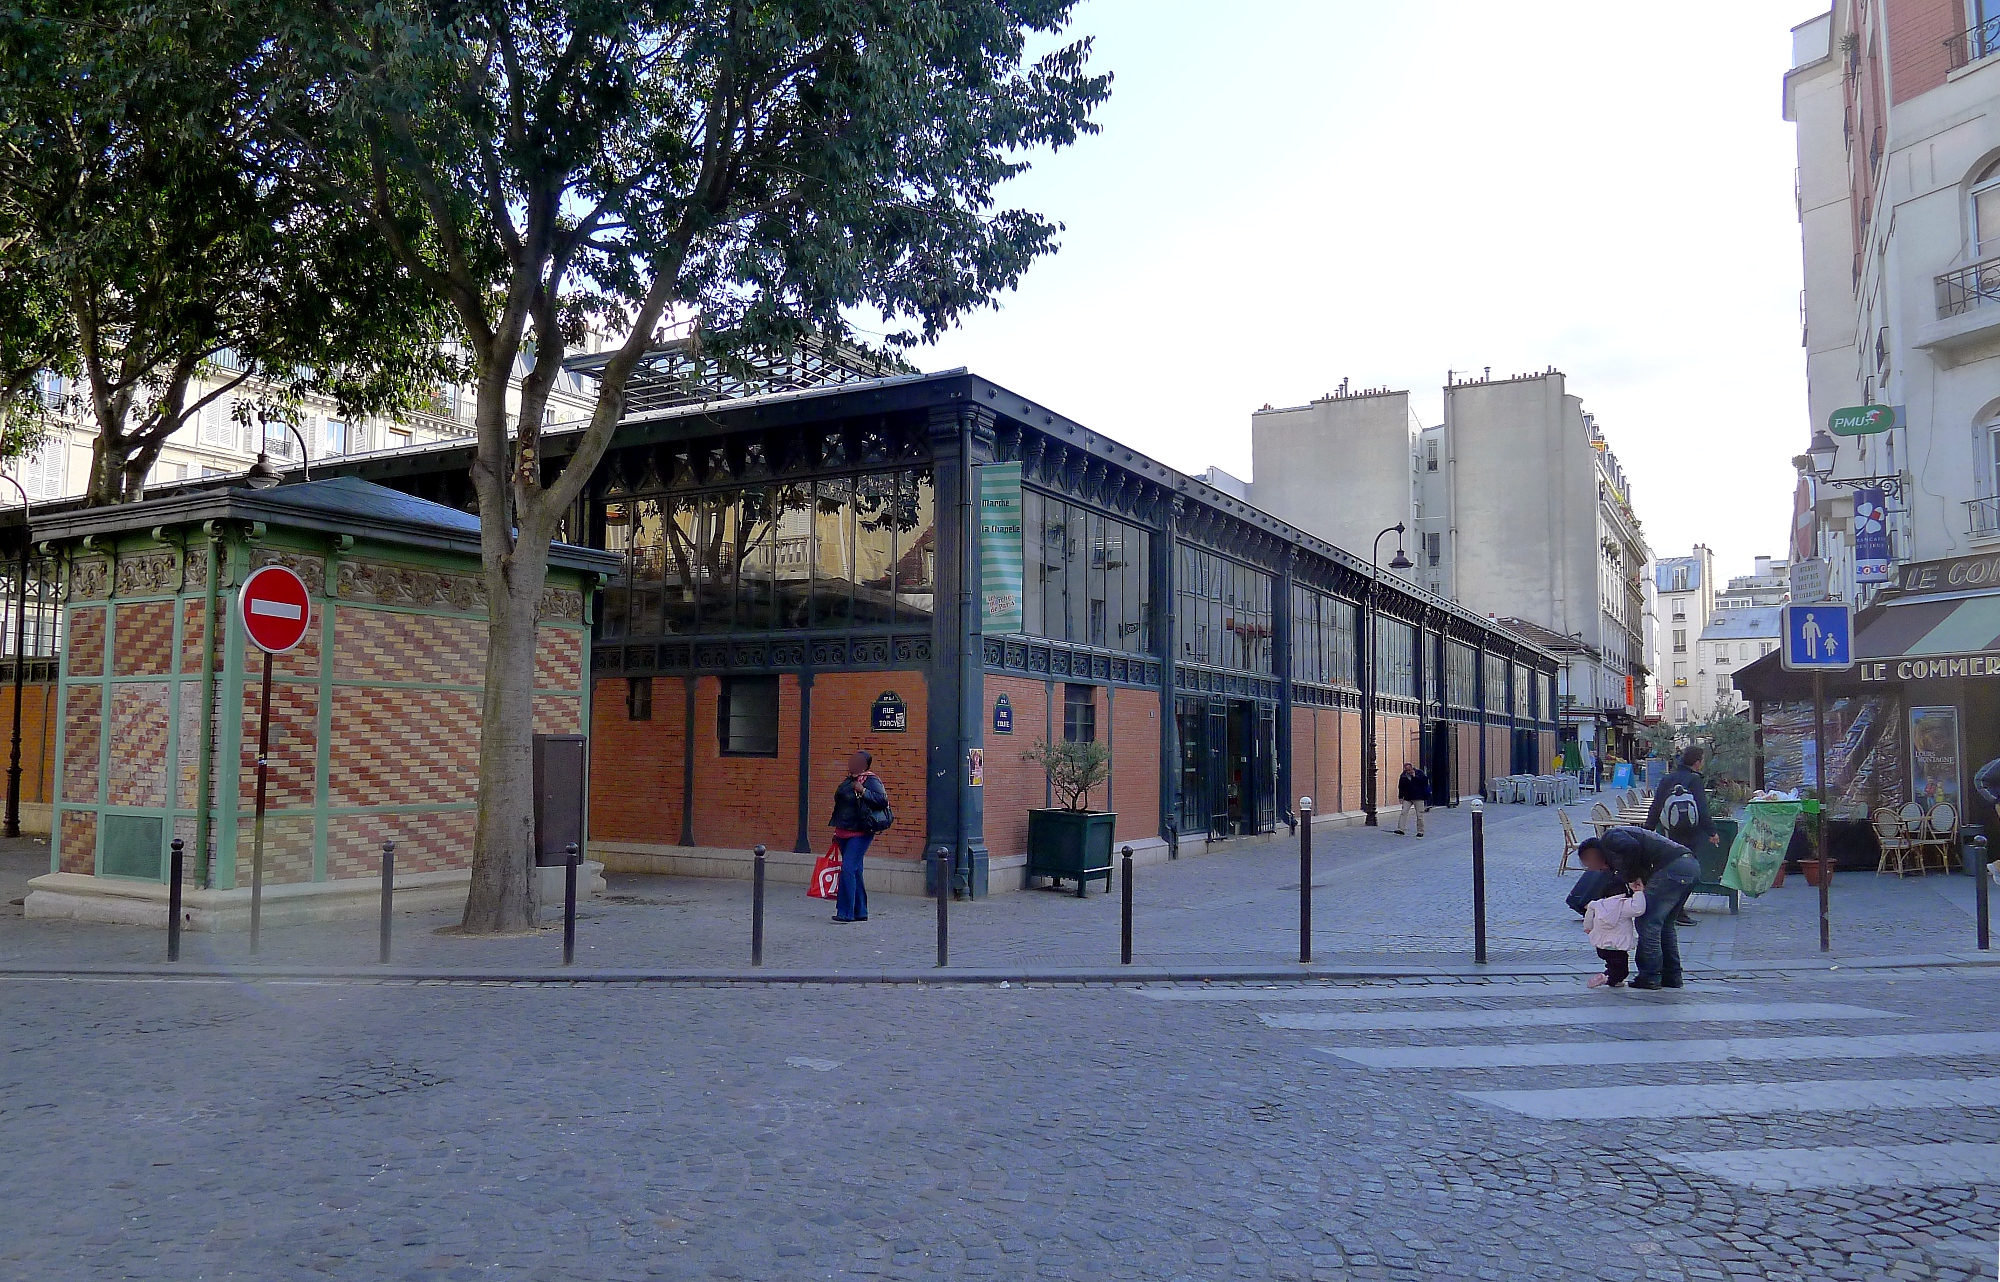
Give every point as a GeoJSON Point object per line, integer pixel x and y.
{"type": "Point", "coordinates": [1818, 637]}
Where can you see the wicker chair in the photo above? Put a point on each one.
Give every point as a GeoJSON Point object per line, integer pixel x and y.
{"type": "Point", "coordinates": [1897, 848]}
{"type": "Point", "coordinates": [1939, 836]}
{"type": "Point", "coordinates": [1601, 818]}
{"type": "Point", "coordinates": [1569, 842]}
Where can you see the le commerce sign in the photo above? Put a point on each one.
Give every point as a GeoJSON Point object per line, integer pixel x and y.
{"type": "Point", "coordinates": [1864, 420]}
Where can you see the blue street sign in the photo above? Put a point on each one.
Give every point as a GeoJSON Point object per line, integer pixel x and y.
{"type": "Point", "coordinates": [1818, 637]}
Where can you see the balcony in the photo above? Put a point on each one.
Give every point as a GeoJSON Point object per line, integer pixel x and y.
{"type": "Point", "coordinates": [1968, 324]}
{"type": "Point", "coordinates": [1982, 518]}
{"type": "Point", "coordinates": [1969, 46]}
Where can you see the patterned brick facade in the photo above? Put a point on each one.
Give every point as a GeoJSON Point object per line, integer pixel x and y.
{"type": "Point", "coordinates": [426, 841]}
{"type": "Point", "coordinates": [82, 724]}
{"type": "Point", "coordinates": [138, 744]}
{"type": "Point", "coordinates": [396, 747]}
{"type": "Point", "coordinates": [84, 651]}
{"type": "Point", "coordinates": [77, 840]}
{"type": "Point", "coordinates": [294, 744]}
{"type": "Point", "coordinates": [145, 632]}
{"type": "Point", "coordinates": [559, 659]}
{"type": "Point", "coordinates": [384, 645]}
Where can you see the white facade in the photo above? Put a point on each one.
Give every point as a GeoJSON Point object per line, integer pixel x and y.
{"type": "Point", "coordinates": [1898, 113]}
{"type": "Point", "coordinates": [1338, 467]}
{"type": "Point", "coordinates": [1732, 639]}
{"type": "Point", "coordinates": [1686, 588]}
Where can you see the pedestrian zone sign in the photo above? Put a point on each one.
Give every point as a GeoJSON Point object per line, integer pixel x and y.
{"type": "Point", "coordinates": [1818, 637]}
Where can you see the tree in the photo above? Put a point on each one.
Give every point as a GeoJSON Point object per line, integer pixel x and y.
{"type": "Point", "coordinates": [149, 182]}
{"type": "Point", "coordinates": [549, 166]}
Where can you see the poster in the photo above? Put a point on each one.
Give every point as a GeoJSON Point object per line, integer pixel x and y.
{"type": "Point", "coordinates": [1934, 756]}
{"type": "Point", "coordinates": [1871, 537]}
{"type": "Point", "coordinates": [1000, 547]}
{"type": "Point", "coordinates": [1865, 760]}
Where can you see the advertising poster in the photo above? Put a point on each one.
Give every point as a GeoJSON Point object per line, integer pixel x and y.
{"type": "Point", "coordinates": [1865, 759]}
{"type": "Point", "coordinates": [1934, 756]}
{"type": "Point", "coordinates": [1871, 536]}
{"type": "Point", "coordinates": [1000, 521]}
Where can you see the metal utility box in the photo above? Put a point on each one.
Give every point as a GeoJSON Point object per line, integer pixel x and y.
{"type": "Point", "coordinates": [560, 761]}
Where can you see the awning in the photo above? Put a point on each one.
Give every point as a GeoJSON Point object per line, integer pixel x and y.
{"type": "Point", "coordinates": [1918, 639]}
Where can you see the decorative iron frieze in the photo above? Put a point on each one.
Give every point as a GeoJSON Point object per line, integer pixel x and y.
{"type": "Point", "coordinates": [90, 580]}
{"type": "Point", "coordinates": [148, 574]}
{"type": "Point", "coordinates": [310, 568]}
{"type": "Point", "coordinates": [385, 583]}
{"type": "Point", "coordinates": [762, 654]}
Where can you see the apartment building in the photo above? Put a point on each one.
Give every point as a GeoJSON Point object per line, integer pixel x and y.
{"type": "Point", "coordinates": [1686, 589]}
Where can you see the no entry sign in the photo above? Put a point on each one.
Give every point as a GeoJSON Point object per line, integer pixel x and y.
{"type": "Point", "coordinates": [275, 608]}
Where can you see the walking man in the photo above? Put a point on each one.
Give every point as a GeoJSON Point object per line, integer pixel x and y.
{"type": "Point", "coordinates": [1414, 790]}
{"type": "Point", "coordinates": [1680, 810]}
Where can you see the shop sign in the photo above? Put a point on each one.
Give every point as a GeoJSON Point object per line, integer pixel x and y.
{"type": "Point", "coordinates": [1864, 420]}
{"type": "Point", "coordinates": [1000, 521]}
{"type": "Point", "coordinates": [1871, 536]}
{"type": "Point", "coordinates": [1952, 575]}
{"type": "Point", "coordinates": [1003, 715]}
{"type": "Point", "coordinates": [890, 715]}
{"type": "Point", "coordinates": [1932, 667]}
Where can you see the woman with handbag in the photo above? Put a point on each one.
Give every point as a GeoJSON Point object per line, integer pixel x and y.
{"type": "Point", "coordinates": [860, 810]}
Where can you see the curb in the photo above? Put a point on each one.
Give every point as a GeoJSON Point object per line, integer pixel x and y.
{"type": "Point", "coordinates": [966, 975]}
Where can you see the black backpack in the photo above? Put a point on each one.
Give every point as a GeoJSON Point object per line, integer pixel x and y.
{"type": "Point", "coordinates": [1680, 817]}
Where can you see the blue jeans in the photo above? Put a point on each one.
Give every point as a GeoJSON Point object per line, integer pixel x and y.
{"type": "Point", "coordinates": [851, 903]}
{"type": "Point", "coordinates": [1659, 944]}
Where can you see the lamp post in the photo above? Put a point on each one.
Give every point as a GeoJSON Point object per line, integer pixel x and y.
{"type": "Point", "coordinates": [13, 828]}
{"type": "Point", "coordinates": [262, 475]}
{"type": "Point", "coordinates": [1399, 562]}
{"type": "Point", "coordinates": [1819, 458]}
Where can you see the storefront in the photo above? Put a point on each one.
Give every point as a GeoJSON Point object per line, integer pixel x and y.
{"type": "Point", "coordinates": [1916, 718]}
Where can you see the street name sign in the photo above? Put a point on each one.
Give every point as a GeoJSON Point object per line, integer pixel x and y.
{"type": "Point", "coordinates": [1818, 637]}
{"type": "Point", "coordinates": [275, 609]}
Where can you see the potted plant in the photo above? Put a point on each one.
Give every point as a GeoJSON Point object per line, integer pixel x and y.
{"type": "Point", "coordinates": [1071, 840]}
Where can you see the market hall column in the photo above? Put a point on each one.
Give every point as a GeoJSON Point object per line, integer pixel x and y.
{"type": "Point", "coordinates": [1281, 660]}
{"type": "Point", "coordinates": [1166, 553]}
{"type": "Point", "coordinates": [961, 439]}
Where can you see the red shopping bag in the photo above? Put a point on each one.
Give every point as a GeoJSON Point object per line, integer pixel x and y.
{"type": "Point", "coordinates": [826, 874]}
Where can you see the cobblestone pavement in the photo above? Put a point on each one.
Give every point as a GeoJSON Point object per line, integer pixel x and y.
{"type": "Point", "coordinates": [1824, 1126]}
{"type": "Point", "coordinates": [1377, 898]}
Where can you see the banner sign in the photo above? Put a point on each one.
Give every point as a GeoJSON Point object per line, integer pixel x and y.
{"type": "Point", "coordinates": [1871, 536]}
{"type": "Point", "coordinates": [1000, 547]}
{"type": "Point", "coordinates": [1864, 420]}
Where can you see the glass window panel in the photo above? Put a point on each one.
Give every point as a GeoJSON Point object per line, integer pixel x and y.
{"type": "Point", "coordinates": [1034, 569]}
{"type": "Point", "coordinates": [791, 552]}
{"type": "Point", "coordinates": [1097, 621]}
{"type": "Point", "coordinates": [1076, 587]}
{"type": "Point", "coordinates": [756, 535]}
{"type": "Point", "coordinates": [612, 620]}
{"type": "Point", "coordinates": [916, 549]}
{"type": "Point", "coordinates": [1144, 590]}
{"type": "Point", "coordinates": [833, 561]}
{"type": "Point", "coordinates": [1055, 571]}
{"type": "Point", "coordinates": [874, 548]}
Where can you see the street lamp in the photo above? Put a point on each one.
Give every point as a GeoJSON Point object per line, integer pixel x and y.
{"type": "Point", "coordinates": [1398, 562]}
{"type": "Point", "coordinates": [13, 828]}
{"type": "Point", "coordinates": [1819, 458]}
{"type": "Point", "coordinates": [262, 475]}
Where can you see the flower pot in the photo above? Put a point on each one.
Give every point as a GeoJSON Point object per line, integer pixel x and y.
{"type": "Point", "coordinates": [1810, 867]}
{"type": "Point", "coordinates": [1071, 844]}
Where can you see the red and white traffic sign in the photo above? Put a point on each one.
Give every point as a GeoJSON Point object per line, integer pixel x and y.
{"type": "Point", "coordinates": [274, 608]}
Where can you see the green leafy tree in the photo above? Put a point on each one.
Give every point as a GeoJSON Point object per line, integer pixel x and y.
{"type": "Point", "coordinates": [550, 167]}
{"type": "Point", "coordinates": [150, 183]}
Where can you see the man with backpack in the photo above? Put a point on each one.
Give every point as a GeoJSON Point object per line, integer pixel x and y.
{"type": "Point", "coordinates": [1680, 811]}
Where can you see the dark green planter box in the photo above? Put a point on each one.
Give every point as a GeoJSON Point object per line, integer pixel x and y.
{"type": "Point", "coordinates": [1071, 844]}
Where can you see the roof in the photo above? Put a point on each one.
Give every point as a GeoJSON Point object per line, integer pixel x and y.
{"type": "Point", "coordinates": [340, 505]}
{"type": "Point", "coordinates": [1744, 623]}
{"type": "Point", "coordinates": [1547, 639]}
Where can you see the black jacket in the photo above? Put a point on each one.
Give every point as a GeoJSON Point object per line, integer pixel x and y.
{"type": "Point", "coordinates": [1697, 787]}
{"type": "Point", "coordinates": [848, 813]}
{"type": "Point", "coordinates": [1413, 787]}
{"type": "Point", "coordinates": [1987, 781]}
{"type": "Point", "coordinates": [1635, 854]}
{"type": "Point", "coordinates": [1593, 886]}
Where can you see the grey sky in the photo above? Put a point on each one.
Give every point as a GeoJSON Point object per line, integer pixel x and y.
{"type": "Point", "coordinates": [1286, 194]}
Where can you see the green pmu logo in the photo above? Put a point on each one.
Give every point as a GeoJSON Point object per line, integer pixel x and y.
{"type": "Point", "coordinates": [1861, 420]}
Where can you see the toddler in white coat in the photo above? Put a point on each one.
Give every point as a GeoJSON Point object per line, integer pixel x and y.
{"type": "Point", "coordinates": [1613, 923]}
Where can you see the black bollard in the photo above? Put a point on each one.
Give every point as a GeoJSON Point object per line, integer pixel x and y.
{"type": "Point", "coordinates": [570, 861]}
{"type": "Point", "coordinates": [1305, 880]}
{"type": "Point", "coordinates": [1173, 840]}
{"type": "Point", "coordinates": [1125, 907]}
{"type": "Point", "coordinates": [388, 897]}
{"type": "Point", "coordinates": [177, 867]}
{"type": "Point", "coordinates": [757, 909]}
{"type": "Point", "coordinates": [941, 858]}
{"type": "Point", "coordinates": [1478, 879]}
{"type": "Point", "coordinates": [1982, 891]}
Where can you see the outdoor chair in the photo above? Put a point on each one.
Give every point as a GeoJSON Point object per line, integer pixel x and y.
{"type": "Point", "coordinates": [1601, 818]}
{"type": "Point", "coordinates": [1894, 840]}
{"type": "Point", "coordinates": [1939, 836]}
{"type": "Point", "coordinates": [1569, 842]}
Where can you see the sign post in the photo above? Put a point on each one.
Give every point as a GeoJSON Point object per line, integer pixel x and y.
{"type": "Point", "coordinates": [1819, 638]}
{"type": "Point", "coordinates": [275, 610]}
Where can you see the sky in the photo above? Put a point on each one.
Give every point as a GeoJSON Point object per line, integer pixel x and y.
{"type": "Point", "coordinates": [1288, 194]}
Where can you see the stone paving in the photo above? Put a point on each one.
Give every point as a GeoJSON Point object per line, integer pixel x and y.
{"type": "Point", "coordinates": [220, 1129]}
{"type": "Point", "coordinates": [1378, 899]}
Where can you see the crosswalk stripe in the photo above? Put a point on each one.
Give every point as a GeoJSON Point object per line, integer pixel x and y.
{"type": "Point", "coordinates": [1530, 1017]}
{"type": "Point", "coordinates": [1781, 1170]}
{"type": "Point", "coordinates": [1744, 1099]}
{"type": "Point", "coordinates": [1663, 1051]}
{"type": "Point", "coordinates": [1405, 993]}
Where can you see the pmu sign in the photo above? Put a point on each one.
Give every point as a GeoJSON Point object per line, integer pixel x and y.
{"type": "Point", "coordinates": [274, 608]}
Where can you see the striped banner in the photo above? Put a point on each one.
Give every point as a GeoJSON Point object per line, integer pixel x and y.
{"type": "Point", "coordinates": [1000, 546]}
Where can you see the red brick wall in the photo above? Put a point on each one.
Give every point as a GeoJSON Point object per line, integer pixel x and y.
{"type": "Point", "coordinates": [86, 641]}
{"type": "Point", "coordinates": [1135, 761]}
{"type": "Point", "coordinates": [747, 801]}
{"type": "Point", "coordinates": [1013, 786]}
{"type": "Point", "coordinates": [145, 639]}
{"type": "Point", "coordinates": [1350, 759]}
{"type": "Point", "coordinates": [636, 766]}
{"type": "Point", "coordinates": [1305, 763]}
{"type": "Point", "coordinates": [841, 705]}
{"type": "Point", "coordinates": [1917, 30]}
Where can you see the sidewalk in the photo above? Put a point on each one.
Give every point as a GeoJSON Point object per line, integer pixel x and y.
{"type": "Point", "coordinates": [1383, 906]}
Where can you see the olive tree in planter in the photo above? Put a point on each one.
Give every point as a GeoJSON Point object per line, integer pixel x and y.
{"type": "Point", "coordinates": [1071, 840]}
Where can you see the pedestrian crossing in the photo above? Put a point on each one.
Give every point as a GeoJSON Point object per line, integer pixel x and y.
{"type": "Point", "coordinates": [1444, 1034]}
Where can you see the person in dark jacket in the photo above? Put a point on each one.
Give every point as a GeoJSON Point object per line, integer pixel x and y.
{"type": "Point", "coordinates": [1669, 872]}
{"type": "Point", "coordinates": [854, 801]}
{"type": "Point", "coordinates": [1414, 790]}
{"type": "Point", "coordinates": [1687, 775]}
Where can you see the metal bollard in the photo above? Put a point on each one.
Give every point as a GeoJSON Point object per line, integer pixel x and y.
{"type": "Point", "coordinates": [570, 861]}
{"type": "Point", "coordinates": [1125, 907]}
{"type": "Point", "coordinates": [1173, 841]}
{"type": "Point", "coordinates": [177, 868]}
{"type": "Point", "coordinates": [1982, 891]}
{"type": "Point", "coordinates": [941, 862]}
{"type": "Point", "coordinates": [1305, 880]}
{"type": "Point", "coordinates": [757, 910]}
{"type": "Point", "coordinates": [1478, 879]}
{"type": "Point", "coordinates": [388, 897]}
